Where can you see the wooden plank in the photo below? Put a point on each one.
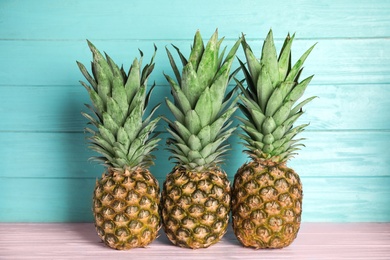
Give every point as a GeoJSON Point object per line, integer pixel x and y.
{"type": "Point", "coordinates": [345, 176]}
{"type": "Point", "coordinates": [348, 107]}
{"type": "Point", "coordinates": [344, 153]}
{"type": "Point", "coordinates": [45, 108]}
{"type": "Point", "coordinates": [46, 200]}
{"type": "Point", "coordinates": [46, 155]}
{"type": "Point", "coordinates": [79, 241]}
{"type": "Point", "coordinates": [65, 155]}
{"type": "Point", "coordinates": [160, 20]}
{"type": "Point", "coordinates": [346, 199]}
{"type": "Point", "coordinates": [54, 62]}
{"type": "Point", "coordinates": [333, 61]}
{"type": "Point", "coordinates": [57, 108]}
{"type": "Point", "coordinates": [70, 199]}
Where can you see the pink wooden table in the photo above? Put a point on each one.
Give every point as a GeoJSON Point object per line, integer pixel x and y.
{"type": "Point", "coordinates": [79, 241]}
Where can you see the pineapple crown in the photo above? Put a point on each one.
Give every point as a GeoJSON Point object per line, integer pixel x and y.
{"type": "Point", "coordinates": [269, 98]}
{"type": "Point", "coordinates": [201, 107]}
{"type": "Point", "coordinates": [119, 102]}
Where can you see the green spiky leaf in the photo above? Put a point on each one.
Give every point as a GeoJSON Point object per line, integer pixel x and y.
{"type": "Point", "coordinates": [268, 99]}
{"type": "Point", "coordinates": [122, 136]}
{"type": "Point", "coordinates": [201, 107]}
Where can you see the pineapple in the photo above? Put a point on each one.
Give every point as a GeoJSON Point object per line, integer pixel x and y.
{"type": "Point", "coordinates": [196, 193]}
{"type": "Point", "coordinates": [126, 198]}
{"type": "Point", "coordinates": [266, 194]}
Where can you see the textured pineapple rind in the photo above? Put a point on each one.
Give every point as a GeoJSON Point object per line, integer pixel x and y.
{"type": "Point", "coordinates": [126, 198]}
{"type": "Point", "coordinates": [195, 207]}
{"type": "Point", "coordinates": [266, 204]}
{"type": "Point", "coordinates": [126, 208]}
{"type": "Point", "coordinates": [196, 194]}
{"type": "Point", "coordinates": [267, 195]}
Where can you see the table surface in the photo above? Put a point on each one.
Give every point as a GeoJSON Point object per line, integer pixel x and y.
{"type": "Point", "coordinates": [80, 241]}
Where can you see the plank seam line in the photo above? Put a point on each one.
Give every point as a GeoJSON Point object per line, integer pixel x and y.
{"type": "Point", "coordinates": [165, 132]}
{"type": "Point", "coordinates": [384, 37]}
{"type": "Point", "coordinates": [166, 85]}
{"type": "Point", "coordinates": [163, 177]}
{"type": "Point", "coordinates": [55, 132]}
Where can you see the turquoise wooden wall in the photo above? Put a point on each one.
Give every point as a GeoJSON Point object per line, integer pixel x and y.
{"type": "Point", "coordinates": [45, 175]}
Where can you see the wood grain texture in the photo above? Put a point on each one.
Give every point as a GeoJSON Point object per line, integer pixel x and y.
{"type": "Point", "coordinates": [345, 177]}
{"type": "Point", "coordinates": [79, 241]}
{"type": "Point", "coordinates": [52, 20]}
{"type": "Point", "coordinates": [70, 199]}
{"type": "Point", "coordinates": [65, 155]}
{"type": "Point", "coordinates": [47, 200]}
{"type": "Point", "coordinates": [58, 108]}
{"type": "Point", "coordinates": [45, 174]}
{"type": "Point", "coordinates": [334, 62]}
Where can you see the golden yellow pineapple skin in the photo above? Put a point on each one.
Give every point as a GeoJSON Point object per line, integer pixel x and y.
{"type": "Point", "coordinates": [266, 204]}
{"type": "Point", "coordinates": [126, 208]}
{"type": "Point", "coordinates": [195, 207]}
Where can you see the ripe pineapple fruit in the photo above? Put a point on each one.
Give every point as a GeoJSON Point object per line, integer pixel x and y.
{"type": "Point", "coordinates": [196, 193]}
{"type": "Point", "coordinates": [266, 194]}
{"type": "Point", "coordinates": [126, 198]}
